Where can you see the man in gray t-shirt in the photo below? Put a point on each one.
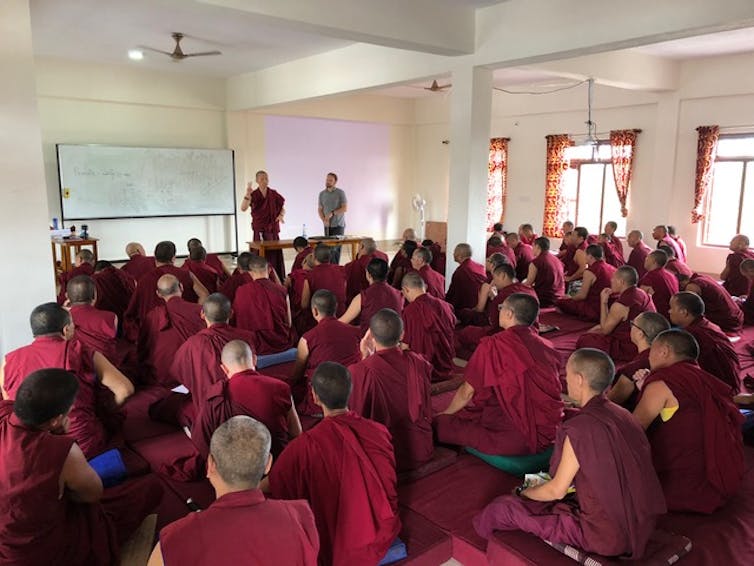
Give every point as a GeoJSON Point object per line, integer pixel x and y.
{"type": "Point", "coordinates": [332, 211]}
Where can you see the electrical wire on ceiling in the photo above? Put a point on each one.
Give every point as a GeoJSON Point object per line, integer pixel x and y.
{"type": "Point", "coordinates": [542, 91]}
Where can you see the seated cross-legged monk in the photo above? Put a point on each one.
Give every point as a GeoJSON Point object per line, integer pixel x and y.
{"type": "Point", "coordinates": [139, 263]}
{"type": "Point", "coordinates": [303, 249]}
{"type": "Point", "coordinates": [55, 510]}
{"type": "Point", "coordinates": [716, 353]}
{"type": "Point", "coordinates": [660, 234]}
{"type": "Point", "coordinates": [429, 325]}
{"type": "Point", "coordinates": [672, 233]}
{"type": "Point", "coordinates": [240, 526]}
{"type": "Point", "coordinates": [612, 334]}
{"type": "Point", "coordinates": [527, 234]}
{"type": "Point", "coordinates": [566, 228]}
{"type": "Point", "coordinates": [378, 295]}
{"type": "Point", "coordinates": [719, 306]}
{"type": "Point", "coordinates": [438, 256]}
{"type": "Point", "coordinates": [523, 253]}
{"type": "Point", "coordinates": [197, 264]}
{"type": "Point", "coordinates": [512, 380]}
{"type": "Point", "coordinates": [261, 306]}
{"type": "Point", "coordinates": [392, 386]}
{"type": "Point", "coordinates": [693, 426]}
{"type": "Point", "coordinates": [733, 281]}
{"type": "Point", "coordinates": [356, 269]}
{"type": "Point", "coordinates": [95, 418]}
{"type": "Point", "coordinates": [574, 262]}
{"type": "Point", "coordinates": [325, 275]}
{"type": "Point", "coordinates": [401, 263]}
{"type": "Point", "coordinates": [329, 341]}
{"type": "Point", "coordinates": [165, 329]}
{"type": "Point", "coordinates": [240, 276]}
{"type": "Point", "coordinates": [301, 318]}
{"type": "Point", "coordinates": [497, 245]}
{"type": "Point", "coordinates": [212, 260]}
{"type": "Point", "coordinates": [421, 261]}
{"type": "Point", "coordinates": [345, 468]}
{"type": "Point", "coordinates": [660, 283]}
{"type": "Point", "coordinates": [601, 451]}
{"type": "Point", "coordinates": [114, 288]}
{"type": "Point", "coordinates": [83, 265]}
{"type": "Point", "coordinates": [96, 329]}
{"type": "Point", "coordinates": [628, 377]}
{"type": "Point", "coordinates": [546, 274]}
{"type": "Point", "coordinates": [586, 303]}
{"type": "Point", "coordinates": [612, 245]}
{"type": "Point", "coordinates": [468, 277]}
{"type": "Point", "coordinates": [639, 251]}
{"type": "Point", "coordinates": [674, 265]}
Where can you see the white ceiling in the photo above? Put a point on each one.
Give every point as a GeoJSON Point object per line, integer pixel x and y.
{"type": "Point", "coordinates": [722, 43]}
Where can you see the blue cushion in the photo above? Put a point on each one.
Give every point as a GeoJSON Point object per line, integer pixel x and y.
{"type": "Point", "coordinates": [268, 360]}
{"type": "Point", "coordinates": [516, 465]}
{"type": "Point", "coordinates": [109, 467]}
{"type": "Point", "coordinates": [396, 552]}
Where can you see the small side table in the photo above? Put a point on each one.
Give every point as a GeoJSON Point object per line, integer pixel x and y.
{"type": "Point", "coordinates": [68, 250]}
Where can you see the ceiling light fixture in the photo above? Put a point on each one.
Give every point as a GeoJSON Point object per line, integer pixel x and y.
{"type": "Point", "coordinates": [135, 54]}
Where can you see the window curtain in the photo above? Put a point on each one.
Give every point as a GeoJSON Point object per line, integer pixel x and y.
{"type": "Point", "coordinates": [497, 181]}
{"type": "Point", "coordinates": [706, 151]}
{"type": "Point", "coordinates": [557, 165]}
{"type": "Point", "coordinates": [622, 149]}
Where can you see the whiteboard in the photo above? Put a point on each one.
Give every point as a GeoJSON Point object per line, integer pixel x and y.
{"type": "Point", "coordinates": [100, 182]}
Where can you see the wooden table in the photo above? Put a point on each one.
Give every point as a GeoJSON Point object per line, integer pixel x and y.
{"type": "Point", "coordinates": [66, 257]}
{"type": "Point", "coordinates": [262, 246]}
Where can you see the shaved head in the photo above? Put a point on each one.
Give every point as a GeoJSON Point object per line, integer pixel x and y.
{"type": "Point", "coordinates": [651, 324]}
{"type": "Point", "coordinates": [81, 289]}
{"type": "Point", "coordinates": [193, 243]}
{"type": "Point", "coordinates": [387, 328]}
{"type": "Point", "coordinates": [322, 253]}
{"type": "Point", "coordinates": [512, 239]}
{"type": "Point", "coordinates": [659, 257]}
{"type": "Point", "coordinates": [168, 285]}
{"type": "Point", "coordinates": [596, 251]}
{"type": "Point", "coordinates": [495, 241]}
{"type": "Point", "coordinates": [85, 256]}
{"type": "Point", "coordinates": [332, 384]}
{"type": "Point", "coordinates": [683, 345]}
{"type": "Point", "coordinates": [164, 252]}
{"type": "Point", "coordinates": [299, 242]}
{"type": "Point", "coordinates": [325, 302]}
{"type": "Point", "coordinates": [627, 274]}
{"type": "Point", "coordinates": [409, 234]}
{"type": "Point", "coordinates": [690, 302]}
{"type": "Point", "coordinates": [134, 248]}
{"type": "Point", "coordinates": [423, 254]}
{"type": "Point", "coordinates": [258, 264]}
{"type": "Point", "coordinates": [240, 449]}
{"type": "Point", "coordinates": [101, 265]}
{"type": "Point", "coordinates": [197, 253]}
{"type": "Point", "coordinates": [243, 261]}
{"type": "Point", "coordinates": [369, 245]}
{"type": "Point", "coordinates": [216, 308]}
{"type": "Point", "coordinates": [412, 280]}
{"type": "Point", "coordinates": [525, 308]}
{"type": "Point", "coordinates": [44, 395]}
{"type": "Point", "coordinates": [747, 267]}
{"type": "Point", "coordinates": [237, 353]}
{"type": "Point", "coordinates": [595, 366]}
{"type": "Point", "coordinates": [49, 318]}
{"type": "Point", "coordinates": [463, 251]}
{"type": "Point", "coordinates": [378, 269]}
{"type": "Point", "coordinates": [504, 269]}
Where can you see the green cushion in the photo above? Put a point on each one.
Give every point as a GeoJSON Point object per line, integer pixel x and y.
{"type": "Point", "coordinates": [516, 465]}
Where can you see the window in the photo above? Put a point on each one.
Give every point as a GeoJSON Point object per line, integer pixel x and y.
{"type": "Point", "coordinates": [729, 209]}
{"type": "Point", "coordinates": [589, 189]}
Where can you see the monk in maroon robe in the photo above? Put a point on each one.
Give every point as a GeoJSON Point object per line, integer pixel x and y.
{"type": "Point", "coordinates": [660, 233]}
{"type": "Point", "coordinates": [241, 526]}
{"type": "Point", "coordinates": [566, 228]}
{"type": "Point", "coordinates": [303, 249]}
{"type": "Point", "coordinates": [468, 277]}
{"type": "Point", "coordinates": [345, 468]}
{"type": "Point", "coordinates": [212, 260]}
{"type": "Point", "coordinates": [401, 263]}
{"type": "Point", "coordinates": [96, 329]}
{"type": "Point", "coordinates": [114, 288]}
{"type": "Point", "coordinates": [546, 274]}
{"type": "Point", "coordinates": [329, 341]}
{"type": "Point", "coordinates": [95, 418]}
{"type": "Point", "coordinates": [612, 334]}
{"type": "Point", "coordinates": [586, 303]}
{"type": "Point", "coordinates": [197, 264]}
{"type": "Point", "coordinates": [613, 245]}
{"type": "Point", "coordinates": [658, 282]}
{"type": "Point", "coordinates": [83, 265]}
{"type": "Point", "coordinates": [54, 508]}
{"type": "Point", "coordinates": [574, 261]}
{"type": "Point", "coordinates": [240, 276]}
{"type": "Point", "coordinates": [733, 281]}
{"type": "Point", "coordinates": [196, 364]}
{"type": "Point", "coordinates": [438, 256]}
{"type": "Point", "coordinates": [693, 426]}
{"type": "Point", "coordinates": [603, 452]}
{"type": "Point", "coordinates": [716, 353]}
{"type": "Point", "coordinates": [747, 270]}
{"type": "Point", "coordinates": [377, 296]}
{"type": "Point", "coordinates": [429, 324]}
{"type": "Point", "coordinates": [356, 270]}
{"type": "Point", "coordinates": [327, 276]}
{"type": "Point", "coordinates": [267, 212]}
{"type": "Point", "coordinates": [139, 263]}
{"type": "Point", "coordinates": [719, 306]}
{"type": "Point", "coordinates": [512, 380]}
{"type": "Point", "coordinates": [420, 262]}
{"type": "Point", "coordinates": [392, 386]}
{"type": "Point", "coordinates": [261, 307]}
{"type": "Point", "coordinates": [639, 251]}
{"type": "Point", "coordinates": [497, 245]}
{"type": "Point", "coordinates": [301, 318]}
{"type": "Point", "coordinates": [524, 255]}
{"type": "Point", "coordinates": [684, 255]}
{"type": "Point", "coordinates": [527, 234]}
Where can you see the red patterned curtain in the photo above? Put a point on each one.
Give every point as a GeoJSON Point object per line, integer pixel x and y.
{"type": "Point", "coordinates": [622, 149]}
{"type": "Point", "coordinates": [497, 181]}
{"type": "Point", "coordinates": [706, 151]}
{"type": "Point", "coordinates": [557, 165]}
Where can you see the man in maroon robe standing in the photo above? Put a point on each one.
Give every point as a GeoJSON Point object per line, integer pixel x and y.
{"type": "Point", "coordinates": [716, 353]}
{"type": "Point", "coordinates": [261, 307]}
{"type": "Point", "coordinates": [267, 212]}
{"type": "Point", "coordinates": [240, 526]}
{"type": "Point", "coordinates": [719, 306]}
{"type": "Point", "coordinates": [639, 251]}
{"type": "Point", "coordinates": [205, 273]}
{"type": "Point", "coordinates": [421, 261]}
{"type": "Point", "coordinates": [139, 263]}
{"type": "Point", "coordinates": [693, 426]}
{"type": "Point", "coordinates": [586, 303]}
{"type": "Point", "coordinates": [468, 277]}
{"type": "Point", "coordinates": [325, 275]}
{"type": "Point", "coordinates": [356, 270]}
{"type": "Point", "coordinates": [733, 281]}
{"type": "Point", "coordinates": [512, 380]}
{"type": "Point", "coordinates": [329, 341]}
{"type": "Point", "coordinates": [523, 253]}
{"type": "Point", "coordinates": [54, 508]}
{"type": "Point", "coordinates": [96, 329]}
{"type": "Point", "coordinates": [603, 452]}
{"type": "Point", "coordinates": [83, 265]}
{"type": "Point", "coordinates": [392, 386]}
{"type": "Point", "coordinates": [377, 296]}
{"type": "Point", "coordinates": [114, 288]}
{"type": "Point", "coordinates": [612, 334]}
{"type": "Point", "coordinates": [546, 274]}
{"type": "Point", "coordinates": [212, 260]}
{"type": "Point", "coordinates": [429, 325]}
{"type": "Point", "coordinates": [345, 468]}
{"type": "Point", "coordinates": [660, 233]}
{"type": "Point", "coordinates": [660, 283]}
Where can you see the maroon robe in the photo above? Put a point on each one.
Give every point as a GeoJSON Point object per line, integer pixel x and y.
{"type": "Point", "coordinates": [428, 330]}
{"type": "Point", "coordinates": [333, 278]}
{"type": "Point", "coordinates": [736, 282]}
{"type": "Point", "coordinates": [139, 265]}
{"type": "Point", "coordinates": [614, 252]}
{"type": "Point", "coordinates": [465, 283]}
{"type": "Point", "coordinates": [114, 290]}
{"type": "Point", "coordinates": [301, 318]}
{"type": "Point", "coordinates": [197, 362]}
{"type": "Point", "coordinates": [41, 527]}
{"type": "Point", "coordinates": [64, 278]}
{"type": "Point", "coordinates": [236, 280]}
{"type": "Point", "coordinates": [392, 387]}
{"type": "Point", "coordinates": [243, 527]}
{"type": "Point", "coordinates": [516, 405]}
{"type": "Point", "coordinates": [673, 245]}
{"type": "Point", "coordinates": [618, 343]}
{"type": "Point", "coordinates": [207, 276]}
{"type": "Point", "coordinates": [698, 453]}
{"type": "Point", "coordinates": [298, 262]}
{"type": "Point", "coordinates": [748, 307]}
{"type": "Point", "coordinates": [379, 295]}
{"type": "Point", "coordinates": [549, 283]}
{"type": "Point", "coordinates": [345, 468]}
{"type": "Point", "coordinates": [505, 250]}
{"type": "Point", "coordinates": [637, 256]}
{"type": "Point", "coordinates": [97, 330]}
{"type": "Point", "coordinates": [261, 306]}
{"type": "Point", "coordinates": [434, 281]}
{"type": "Point", "coordinates": [677, 267]}
{"type": "Point", "coordinates": [214, 261]}
{"type": "Point", "coordinates": [681, 246]}
{"type": "Point", "coordinates": [664, 284]}
{"type": "Point", "coordinates": [524, 256]}
{"type": "Point", "coordinates": [716, 353]}
{"type": "Point", "coordinates": [641, 361]}
{"type": "Point", "coordinates": [264, 223]}
{"type": "Point", "coordinates": [589, 309]}
{"type": "Point", "coordinates": [438, 259]}
{"type": "Point", "coordinates": [164, 330]}
{"type": "Point", "coordinates": [719, 307]}
{"type": "Point", "coordinates": [618, 497]}
{"type": "Point", "coordinates": [356, 274]}
{"type": "Point", "coordinates": [528, 241]}
{"type": "Point", "coordinates": [569, 258]}
{"type": "Point", "coordinates": [399, 266]}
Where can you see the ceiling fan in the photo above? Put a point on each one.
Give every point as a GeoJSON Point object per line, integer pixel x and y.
{"type": "Point", "coordinates": [177, 53]}
{"type": "Point", "coordinates": [434, 87]}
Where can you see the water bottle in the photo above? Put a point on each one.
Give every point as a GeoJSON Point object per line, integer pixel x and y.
{"type": "Point", "coordinates": [303, 231]}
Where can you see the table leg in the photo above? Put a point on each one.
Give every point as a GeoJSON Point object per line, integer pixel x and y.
{"type": "Point", "coordinates": [94, 251]}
